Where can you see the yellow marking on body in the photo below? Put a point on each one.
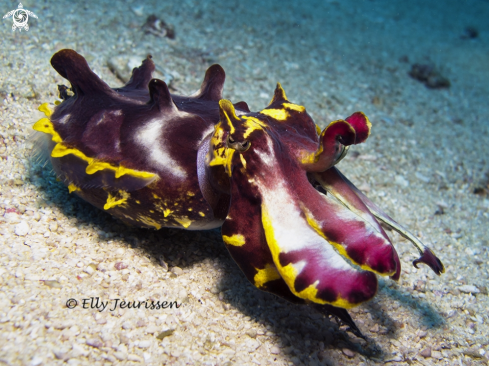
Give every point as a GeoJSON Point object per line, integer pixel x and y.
{"type": "Point", "coordinates": [278, 114]}
{"type": "Point", "coordinates": [283, 114]}
{"type": "Point", "coordinates": [294, 107]}
{"type": "Point", "coordinates": [340, 248]}
{"type": "Point", "coordinates": [229, 160]}
{"type": "Point", "coordinates": [57, 102]}
{"type": "Point", "coordinates": [149, 221]}
{"type": "Point", "coordinates": [151, 211]}
{"type": "Point", "coordinates": [138, 202]}
{"type": "Point", "coordinates": [120, 170]}
{"type": "Point", "coordinates": [229, 112]}
{"type": "Point", "coordinates": [219, 155]}
{"type": "Point", "coordinates": [73, 188]}
{"type": "Point", "coordinates": [45, 125]}
{"type": "Point", "coordinates": [218, 129]}
{"type": "Point", "coordinates": [289, 272]}
{"type": "Point", "coordinates": [243, 161]}
{"type": "Point", "coordinates": [190, 194]}
{"type": "Point", "coordinates": [184, 221]}
{"type": "Point", "coordinates": [190, 209]}
{"type": "Point", "coordinates": [252, 124]}
{"type": "Point", "coordinates": [311, 158]}
{"type": "Point", "coordinates": [236, 240]}
{"type": "Point", "coordinates": [112, 201]}
{"type": "Point", "coordinates": [155, 195]}
{"type": "Point", "coordinates": [267, 274]}
{"type": "Point", "coordinates": [46, 109]}
{"type": "Point", "coordinates": [224, 157]}
{"type": "Point", "coordinates": [94, 166]}
{"type": "Point", "coordinates": [201, 213]}
{"type": "Point", "coordinates": [259, 122]}
{"type": "Point", "coordinates": [318, 130]}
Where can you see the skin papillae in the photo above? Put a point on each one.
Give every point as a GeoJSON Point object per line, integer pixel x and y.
{"type": "Point", "coordinates": [292, 222]}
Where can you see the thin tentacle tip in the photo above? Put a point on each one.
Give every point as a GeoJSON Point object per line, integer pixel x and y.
{"type": "Point", "coordinates": [431, 260]}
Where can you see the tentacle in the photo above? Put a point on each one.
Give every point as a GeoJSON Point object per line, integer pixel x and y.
{"type": "Point", "coordinates": [243, 234]}
{"type": "Point", "coordinates": [351, 235]}
{"type": "Point", "coordinates": [359, 238]}
{"type": "Point", "coordinates": [346, 192]}
{"type": "Point", "coordinates": [427, 256]}
{"type": "Point", "coordinates": [334, 142]}
{"type": "Point", "coordinates": [245, 239]}
{"type": "Point", "coordinates": [308, 234]}
{"type": "Point", "coordinates": [332, 181]}
{"type": "Point", "coordinates": [279, 252]}
{"type": "Point", "coordinates": [361, 125]}
{"type": "Point", "coordinates": [307, 262]}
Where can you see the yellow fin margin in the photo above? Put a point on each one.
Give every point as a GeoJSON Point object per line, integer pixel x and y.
{"type": "Point", "coordinates": [60, 150]}
{"type": "Point", "coordinates": [45, 125]}
{"type": "Point", "coordinates": [94, 166]}
{"type": "Point", "coordinates": [46, 109]}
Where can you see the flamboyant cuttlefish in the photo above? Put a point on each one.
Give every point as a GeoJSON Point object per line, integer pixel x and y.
{"type": "Point", "coordinates": [292, 222]}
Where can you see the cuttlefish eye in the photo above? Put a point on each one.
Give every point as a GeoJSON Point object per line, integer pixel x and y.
{"type": "Point", "coordinates": [236, 145]}
{"type": "Point", "coordinates": [342, 155]}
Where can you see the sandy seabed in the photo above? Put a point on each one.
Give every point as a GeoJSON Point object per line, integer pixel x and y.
{"type": "Point", "coordinates": [426, 157]}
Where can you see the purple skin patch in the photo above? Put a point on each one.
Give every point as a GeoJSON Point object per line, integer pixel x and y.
{"type": "Point", "coordinates": [293, 223]}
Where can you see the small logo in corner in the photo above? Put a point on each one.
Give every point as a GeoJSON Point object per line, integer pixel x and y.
{"type": "Point", "coordinates": [20, 16]}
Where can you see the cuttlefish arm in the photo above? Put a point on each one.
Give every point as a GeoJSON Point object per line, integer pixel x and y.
{"type": "Point", "coordinates": [324, 253]}
{"type": "Point", "coordinates": [243, 234]}
{"type": "Point", "coordinates": [246, 241]}
{"type": "Point", "coordinates": [335, 183]}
